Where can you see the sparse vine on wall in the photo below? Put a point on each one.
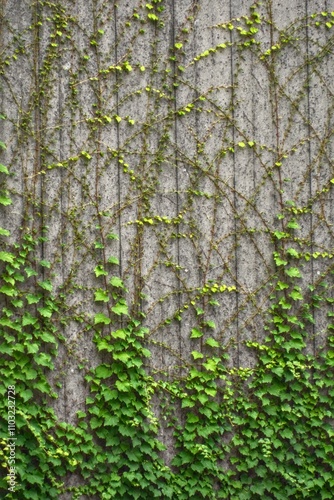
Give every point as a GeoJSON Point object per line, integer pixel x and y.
{"type": "Point", "coordinates": [166, 252]}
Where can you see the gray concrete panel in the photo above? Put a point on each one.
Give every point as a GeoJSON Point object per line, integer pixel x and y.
{"type": "Point", "coordinates": [172, 146]}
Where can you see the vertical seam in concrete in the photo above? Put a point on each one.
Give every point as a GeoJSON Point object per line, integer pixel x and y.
{"type": "Point", "coordinates": [234, 194]}
{"type": "Point", "coordinates": [118, 143]}
{"type": "Point", "coordinates": [176, 173]}
{"type": "Point", "coordinates": [61, 201]}
{"type": "Point", "coordinates": [201, 274]}
{"type": "Point", "coordinates": [37, 126]}
{"type": "Point", "coordinates": [62, 225]}
{"type": "Point", "coordinates": [37, 119]}
{"type": "Point", "coordinates": [309, 155]}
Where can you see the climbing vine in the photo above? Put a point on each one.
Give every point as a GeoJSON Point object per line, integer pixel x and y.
{"type": "Point", "coordinates": [166, 252]}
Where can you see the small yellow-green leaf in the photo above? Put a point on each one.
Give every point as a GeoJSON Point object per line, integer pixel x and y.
{"type": "Point", "coordinates": [113, 260]}
{"type": "Point", "coordinates": [197, 355]}
{"type": "Point", "coordinates": [196, 334]}
{"type": "Point", "coordinates": [3, 169]}
{"type": "Point", "coordinates": [212, 342]}
{"type": "Point", "coordinates": [116, 282]}
{"type": "Point", "coordinates": [101, 295]}
{"type": "Point", "coordinates": [99, 271]}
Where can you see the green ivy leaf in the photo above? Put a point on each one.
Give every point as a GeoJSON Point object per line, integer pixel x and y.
{"type": "Point", "coordinates": [210, 324]}
{"type": "Point", "coordinates": [14, 325]}
{"type": "Point", "coordinates": [9, 291]}
{"type": "Point", "coordinates": [121, 356]}
{"type": "Point", "coordinates": [113, 260]}
{"type": "Point", "coordinates": [103, 345]}
{"type": "Point", "coordinates": [112, 236]}
{"type": "Point", "coordinates": [280, 234]}
{"type": "Point", "coordinates": [279, 261]}
{"type": "Point", "coordinates": [210, 391]}
{"type": "Point", "coordinates": [116, 282]}
{"type": "Point", "coordinates": [187, 403]}
{"type": "Point", "coordinates": [46, 285]}
{"type": "Point", "coordinates": [7, 257]}
{"type": "Point", "coordinates": [212, 342]}
{"type": "Point", "coordinates": [28, 319]}
{"type": "Point", "coordinates": [100, 318]}
{"type": "Point", "coordinates": [4, 232]}
{"type": "Point", "coordinates": [293, 224]}
{"type": "Point", "coordinates": [281, 285]}
{"type": "Point", "coordinates": [5, 200]}
{"type": "Point", "coordinates": [122, 386]}
{"type": "Point", "coordinates": [17, 303]}
{"type": "Point", "coordinates": [111, 420]}
{"type": "Point", "coordinates": [45, 263]}
{"type": "Point", "coordinates": [43, 359]}
{"type": "Point", "coordinates": [120, 308]}
{"type": "Point", "coordinates": [103, 371]}
{"type": "Point", "coordinates": [47, 337]}
{"type": "Point", "coordinates": [211, 364]}
{"type": "Point", "coordinates": [296, 295]}
{"type": "Point", "coordinates": [293, 272]}
{"type": "Point", "coordinates": [42, 386]}
{"type": "Point", "coordinates": [292, 252]}
{"type": "Point", "coordinates": [32, 348]}
{"type": "Point", "coordinates": [33, 298]}
{"type": "Point", "coordinates": [197, 355]}
{"type": "Point", "coordinates": [6, 349]}
{"type": "Point", "coordinates": [119, 334]}
{"type": "Point", "coordinates": [30, 373]}
{"type": "Point", "coordinates": [26, 395]}
{"type": "Point", "coordinates": [196, 334]}
{"type": "Point", "coordinates": [30, 272]}
{"type": "Point", "coordinates": [99, 271]}
{"type": "Point", "coordinates": [46, 312]}
{"type": "Point", "coordinates": [287, 434]}
{"type": "Point", "coordinates": [3, 169]}
{"type": "Point", "coordinates": [192, 419]}
{"type": "Point", "coordinates": [101, 295]}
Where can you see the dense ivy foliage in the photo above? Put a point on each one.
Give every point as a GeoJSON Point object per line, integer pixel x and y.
{"type": "Point", "coordinates": [172, 409]}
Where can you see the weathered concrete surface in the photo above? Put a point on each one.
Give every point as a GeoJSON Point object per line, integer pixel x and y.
{"type": "Point", "coordinates": [181, 140]}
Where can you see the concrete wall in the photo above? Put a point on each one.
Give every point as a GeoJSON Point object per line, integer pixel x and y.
{"type": "Point", "coordinates": [182, 136]}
